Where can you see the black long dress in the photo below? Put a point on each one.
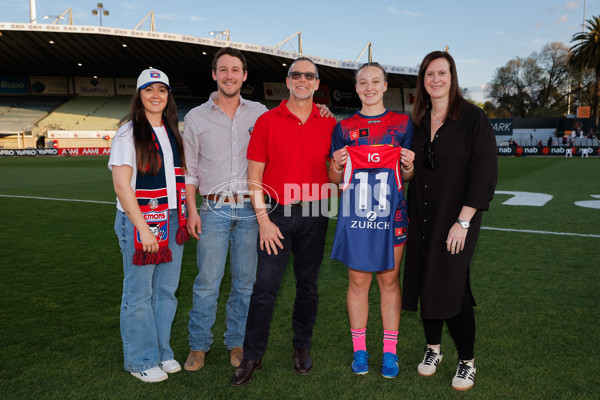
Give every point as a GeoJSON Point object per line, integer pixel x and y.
{"type": "Point", "coordinates": [465, 173]}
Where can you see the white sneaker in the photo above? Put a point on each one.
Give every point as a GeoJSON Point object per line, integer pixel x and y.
{"type": "Point", "coordinates": [465, 376]}
{"type": "Point", "coordinates": [151, 375]}
{"type": "Point", "coordinates": [433, 357]}
{"type": "Point", "coordinates": [170, 366]}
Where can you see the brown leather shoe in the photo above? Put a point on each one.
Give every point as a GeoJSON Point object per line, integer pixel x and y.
{"type": "Point", "coordinates": [243, 373]}
{"type": "Point", "coordinates": [302, 361]}
{"type": "Point", "coordinates": [236, 356]}
{"type": "Point", "coordinates": [195, 361]}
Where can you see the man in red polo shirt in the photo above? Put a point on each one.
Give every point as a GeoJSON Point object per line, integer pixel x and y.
{"type": "Point", "coordinates": [287, 162]}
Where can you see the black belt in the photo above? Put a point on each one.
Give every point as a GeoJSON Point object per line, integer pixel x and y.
{"type": "Point", "coordinates": [293, 205]}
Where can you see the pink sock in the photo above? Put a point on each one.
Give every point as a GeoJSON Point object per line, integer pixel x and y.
{"type": "Point", "coordinates": [359, 339]}
{"type": "Point", "coordinates": [390, 339]}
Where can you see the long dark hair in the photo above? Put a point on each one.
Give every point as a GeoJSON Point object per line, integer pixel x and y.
{"type": "Point", "coordinates": [147, 158]}
{"type": "Point", "coordinates": [422, 99]}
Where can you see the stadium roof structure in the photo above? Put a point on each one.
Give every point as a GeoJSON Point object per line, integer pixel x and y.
{"type": "Point", "coordinates": [71, 50]}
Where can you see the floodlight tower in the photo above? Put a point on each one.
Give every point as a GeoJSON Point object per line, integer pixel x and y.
{"type": "Point", "coordinates": [100, 10]}
{"type": "Point", "coordinates": [32, 15]}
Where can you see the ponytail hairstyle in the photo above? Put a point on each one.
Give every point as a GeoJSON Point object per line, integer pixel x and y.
{"type": "Point", "coordinates": [371, 64]}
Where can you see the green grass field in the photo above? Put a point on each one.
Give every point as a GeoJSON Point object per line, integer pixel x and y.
{"type": "Point", "coordinates": [61, 282]}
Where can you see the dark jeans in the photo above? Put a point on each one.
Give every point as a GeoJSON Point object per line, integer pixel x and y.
{"type": "Point", "coordinates": [461, 328]}
{"type": "Point", "coordinates": [304, 236]}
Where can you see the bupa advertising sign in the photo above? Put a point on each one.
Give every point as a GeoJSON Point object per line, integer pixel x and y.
{"type": "Point", "coordinates": [503, 126]}
{"type": "Point", "coordinates": [13, 85]}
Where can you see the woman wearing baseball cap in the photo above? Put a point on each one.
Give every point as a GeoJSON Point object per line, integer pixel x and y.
{"type": "Point", "coordinates": [147, 164]}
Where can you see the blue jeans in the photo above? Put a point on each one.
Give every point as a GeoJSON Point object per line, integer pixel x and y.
{"type": "Point", "coordinates": [149, 304]}
{"type": "Point", "coordinates": [225, 227]}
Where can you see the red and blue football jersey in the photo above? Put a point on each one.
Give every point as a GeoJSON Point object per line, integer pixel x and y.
{"type": "Point", "coordinates": [372, 215]}
{"type": "Point", "coordinates": [387, 128]}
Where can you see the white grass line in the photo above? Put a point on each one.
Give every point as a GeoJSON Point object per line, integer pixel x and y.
{"type": "Point", "coordinates": [483, 227]}
{"type": "Point", "coordinates": [55, 199]}
{"type": "Point", "coordinates": [541, 232]}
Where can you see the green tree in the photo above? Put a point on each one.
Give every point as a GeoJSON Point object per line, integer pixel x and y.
{"type": "Point", "coordinates": [494, 112]}
{"type": "Point", "coordinates": [585, 54]}
{"type": "Point", "coordinates": [532, 86]}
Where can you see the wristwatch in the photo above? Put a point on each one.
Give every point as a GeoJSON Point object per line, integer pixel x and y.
{"type": "Point", "coordinates": [464, 224]}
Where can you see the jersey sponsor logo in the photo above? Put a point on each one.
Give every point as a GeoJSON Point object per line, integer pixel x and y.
{"type": "Point", "coordinates": [373, 157]}
{"type": "Point", "coordinates": [371, 216]}
{"type": "Point", "coordinates": [398, 215]}
{"type": "Point", "coordinates": [400, 231]}
{"type": "Point", "coordinates": [359, 133]}
{"type": "Point", "coordinates": [381, 225]}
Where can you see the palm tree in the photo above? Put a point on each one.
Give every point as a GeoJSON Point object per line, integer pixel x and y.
{"type": "Point", "coordinates": [585, 54]}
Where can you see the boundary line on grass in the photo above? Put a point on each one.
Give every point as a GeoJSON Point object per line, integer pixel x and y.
{"type": "Point", "coordinates": [541, 232]}
{"type": "Point", "coordinates": [483, 227]}
{"type": "Point", "coordinates": [55, 199]}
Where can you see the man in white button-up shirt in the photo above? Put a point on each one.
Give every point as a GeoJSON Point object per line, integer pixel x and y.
{"type": "Point", "coordinates": [216, 136]}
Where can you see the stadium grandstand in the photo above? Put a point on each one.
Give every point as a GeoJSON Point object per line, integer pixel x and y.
{"type": "Point", "coordinates": [73, 84]}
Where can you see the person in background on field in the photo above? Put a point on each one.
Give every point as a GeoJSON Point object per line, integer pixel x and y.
{"type": "Point", "coordinates": [287, 161]}
{"type": "Point", "coordinates": [540, 146]}
{"type": "Point", "coordinates": [373, 125]}
{"type": "Point", "coordinates": [456, 171]}
{"type": "Point", "coordinates": [590, 134]}
{"type": "Point", "coordinates": [550, 141]}
{"type": "Point", "coordinates": [148, 164]}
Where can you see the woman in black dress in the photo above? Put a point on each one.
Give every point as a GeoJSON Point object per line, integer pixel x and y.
{"type": "Point", "coordinates": [455, 176]}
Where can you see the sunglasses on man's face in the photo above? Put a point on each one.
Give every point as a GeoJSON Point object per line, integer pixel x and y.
{"type": "Point", "coordinates": [428, 152]}
{"type": "Point", "coordinates": [310, 76]}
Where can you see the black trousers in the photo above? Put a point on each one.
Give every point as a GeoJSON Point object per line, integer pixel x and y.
{"type": "Point", "coordinates": [304, 230]}
{"type": "Point", "coordinates": [461, 328]}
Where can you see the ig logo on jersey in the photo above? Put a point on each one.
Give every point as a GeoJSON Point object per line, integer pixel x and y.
{"type": "Point", "coordinates": [371, 216]}
{"type": "Point", "coordinates": [374, 157]}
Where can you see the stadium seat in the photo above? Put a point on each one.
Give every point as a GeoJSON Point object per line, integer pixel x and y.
{"type": "Point", "coordinates": [21, 113]}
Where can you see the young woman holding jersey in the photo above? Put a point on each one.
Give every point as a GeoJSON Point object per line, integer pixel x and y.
{"type": "Point", "coordinates": [147, 164]}
{"type": "Point", "coordinates": [373, 125]}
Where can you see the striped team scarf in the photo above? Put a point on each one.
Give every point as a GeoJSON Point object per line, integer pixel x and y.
{"type": "Point", "coordinates": [152, 197]}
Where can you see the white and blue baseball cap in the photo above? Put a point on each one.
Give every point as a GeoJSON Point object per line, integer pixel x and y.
{"type": "Point", "coordinates": [150, 76]}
